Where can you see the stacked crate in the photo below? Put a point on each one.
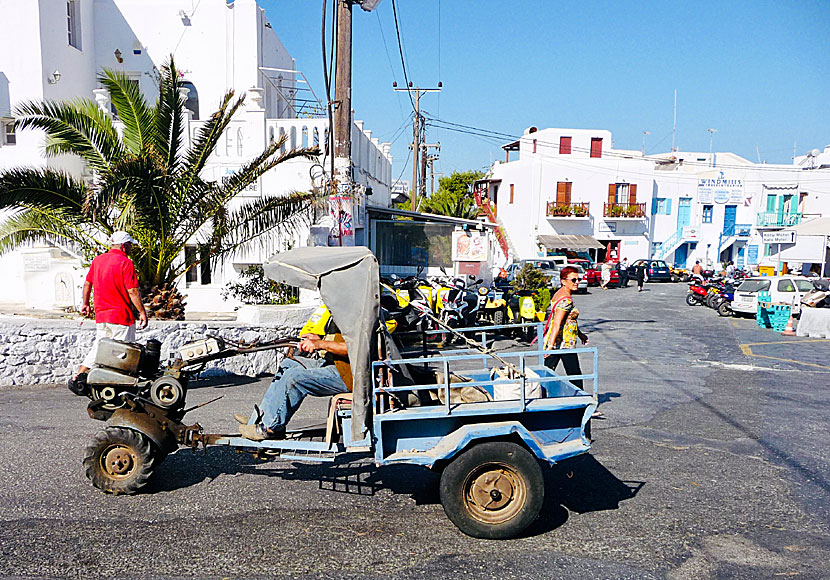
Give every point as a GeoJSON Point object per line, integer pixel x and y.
{"type": "Point", "coordinates": [769, 315]}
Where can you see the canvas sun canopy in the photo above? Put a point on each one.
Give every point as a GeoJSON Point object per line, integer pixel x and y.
{"type": "Point", "coordinates": [570, 242]}
{"type": "Point", "coordinates": [349, 284]}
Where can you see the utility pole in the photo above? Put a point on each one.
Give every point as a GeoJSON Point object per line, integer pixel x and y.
{"type": "Point", "coordinates": [427, 159]}
{"type": "Point", "coordinates": [343, 193]}
{"type": "Point", "coordinates": [417, 138]}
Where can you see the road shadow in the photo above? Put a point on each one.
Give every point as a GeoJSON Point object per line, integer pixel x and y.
{"type": "Point", "coordinates": [224, 381]}
{"type": "Point", "coordinates": [579, 485]}
{"type": "Point", "coordinates": [606, 397]}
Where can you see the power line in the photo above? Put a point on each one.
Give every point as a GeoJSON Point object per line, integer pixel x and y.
{"type": "Point", "coordinates": [388, 56]}
{"type": "Point", "coordinates": [400, 50]}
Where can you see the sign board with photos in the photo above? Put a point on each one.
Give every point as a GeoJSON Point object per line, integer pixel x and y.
{"type": "Point", "coordinates": [469, 246]}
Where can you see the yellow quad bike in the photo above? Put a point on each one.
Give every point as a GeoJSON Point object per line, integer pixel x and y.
{"type": "Point", "coordinates": [522, 309]}
{"type": "Point", "coordinates": [319, 320]}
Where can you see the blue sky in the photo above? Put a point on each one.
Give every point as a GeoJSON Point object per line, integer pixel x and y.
{"type": "Point", "coordinates": [758, 72]}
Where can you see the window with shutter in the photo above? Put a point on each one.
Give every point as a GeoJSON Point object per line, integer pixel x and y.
{"type": "Point", "coordinates": [563, 193]}
{"type": "Point", "coordinates": [564, 145]}
{"type": "Point", "coordinates": [612, 193]}
{"type": "Point", "coordinates": [632, 193]}
{"type": "Point", "coordinates": [511, 193]}
{"type": "Point", "coordinates": [596, 147]}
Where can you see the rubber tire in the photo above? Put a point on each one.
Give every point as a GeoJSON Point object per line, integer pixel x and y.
{"type": "Point", "coordinates": [499, 317]}
{"type": "Point", "coordinates": [140, 449]}
{"type": "Point", "coordinates": [690, 300]}
{"type": "Point", "coordinates": [504, 453]}
{"type": "Point", "coordinates": [710, 300]}
{"type": "Point", "coordinates": [685, 278]}
{"type": "Point", "coordinates": [724, 309]}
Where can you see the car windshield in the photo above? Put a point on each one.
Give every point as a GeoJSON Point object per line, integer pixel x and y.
{"type": "Point", "coordinates": [754, 286]}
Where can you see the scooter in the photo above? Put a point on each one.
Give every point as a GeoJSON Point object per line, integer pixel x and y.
{"type": "Point", "coordinates": [461, 307]}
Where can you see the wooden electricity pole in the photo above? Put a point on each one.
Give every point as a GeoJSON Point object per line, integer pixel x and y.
{"type": "Point", "coordinates": [417, 138]}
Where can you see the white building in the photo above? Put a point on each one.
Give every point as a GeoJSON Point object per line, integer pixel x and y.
{"type": "Point", "coordinates": [680, 207]}
{"type": "Point", "coordinates": [54, 49]}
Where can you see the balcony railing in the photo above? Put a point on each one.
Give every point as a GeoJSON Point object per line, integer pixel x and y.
{"type": "Point", "coordinates": [557, 209]}
{"type": "Point", "coordinates": [775, 219]}
{"type": "Point", "coordinates": [624, 210]}
{"type": "Point", "coordinates": [737, 230]}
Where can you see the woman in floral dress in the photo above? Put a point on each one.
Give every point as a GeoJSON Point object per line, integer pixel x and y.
{"type": "Point", "coordinates": [563, 328]}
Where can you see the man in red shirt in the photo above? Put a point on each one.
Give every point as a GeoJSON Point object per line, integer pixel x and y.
{"type": "Point", "coordinates": [112, 277]}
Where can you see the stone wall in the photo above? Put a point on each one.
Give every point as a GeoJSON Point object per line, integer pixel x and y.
{"type": "Point", "coordinates": [38, 351]}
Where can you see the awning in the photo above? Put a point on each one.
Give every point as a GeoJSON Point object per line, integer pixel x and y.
{"type": "Point", "coordinates": [814, 227]}
{"type": "Point", "coordinates": [572, 242]}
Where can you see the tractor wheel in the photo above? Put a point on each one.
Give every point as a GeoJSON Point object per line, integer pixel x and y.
{"type": "Point", "coordinates": [120, 460]}
{"type": "Point", "coordinates": [493, 490]}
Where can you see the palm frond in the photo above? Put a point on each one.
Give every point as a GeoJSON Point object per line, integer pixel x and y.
{"type": "Point", "coordinates": [29, 225]}
{"type": "Point", "coordinates": [44, 188]}
{"type": "Point", "coordinates": [76, 127]}
{"type": "Point", "coordinates": [263, 163]}
{"type": "Point", "coordinates": [169, 114]}
{"type": "Point", "coordinates": [132, 109]}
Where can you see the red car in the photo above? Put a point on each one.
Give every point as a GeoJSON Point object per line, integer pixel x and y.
{"type": "Point", "coordinates": [593, 274]}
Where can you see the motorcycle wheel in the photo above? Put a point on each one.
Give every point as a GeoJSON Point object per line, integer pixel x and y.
{"type": "Point", "coordinates": [685, 278]}
{"type": "Point", "coordinates": [498, 317]}
{"type": "Point", "coordinates": [725, 309]}
{"type": "Point", "coordinates": [690, 299]}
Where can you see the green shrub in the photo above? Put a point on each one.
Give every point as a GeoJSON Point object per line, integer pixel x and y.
{"type": "Point", "coordinates": [254, 288]}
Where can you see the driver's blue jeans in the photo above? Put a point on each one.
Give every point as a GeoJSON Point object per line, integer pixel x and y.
{"type": "Point", "coordinates": [295, 379]}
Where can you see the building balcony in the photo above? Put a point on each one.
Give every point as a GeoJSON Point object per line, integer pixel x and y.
{"type": "Point", "coordinates": [624, 211]}
{"type": "Point", "coordinates": [737, 230]}
{"type": "Point", "coordinates": [557, 210]}
{"type": "Point", "coordinates": [773, 219]}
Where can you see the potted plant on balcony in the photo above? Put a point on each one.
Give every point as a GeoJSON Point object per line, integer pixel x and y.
{"type": "Point", "coordinates": [616, 210]}
{"type": "Point", "coordinates": [579, 210]}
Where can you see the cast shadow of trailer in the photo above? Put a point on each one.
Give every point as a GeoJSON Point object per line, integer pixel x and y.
{"type": "Point", "coordinates": [579, 485]}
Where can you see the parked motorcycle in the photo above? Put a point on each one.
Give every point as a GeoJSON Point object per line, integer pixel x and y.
{"type": "Point", "coordinates": [461, 308]}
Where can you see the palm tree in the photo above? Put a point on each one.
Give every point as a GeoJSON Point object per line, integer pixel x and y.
{"type": "Point", "coordinates": [144, 181]}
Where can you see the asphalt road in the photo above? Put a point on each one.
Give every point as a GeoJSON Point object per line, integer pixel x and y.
{"type": "Point", "coordinates": [712, 463]}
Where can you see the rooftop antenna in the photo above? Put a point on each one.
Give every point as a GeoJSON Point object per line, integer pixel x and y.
{"type": "Point", "coordinates": [674, 128]}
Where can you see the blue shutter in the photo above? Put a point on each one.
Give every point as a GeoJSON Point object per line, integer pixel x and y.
{"type": "Point", "coordinates": [668, 206]}
{"type": "Point", "coordinates": [654, 206]}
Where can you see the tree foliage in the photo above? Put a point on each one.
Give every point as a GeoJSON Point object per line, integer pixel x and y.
{"type": "Point", "coordinates": [145, 181]}
{"type": "Point", "coordinates": [453, 197]}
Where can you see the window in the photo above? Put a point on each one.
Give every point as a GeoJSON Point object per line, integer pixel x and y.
{"type": "Point", "coordinates": [768, 250]}
{"type": "Point", "coordinates": [804, 285]}
{"type": "Point", "coordinates": [563, 193]}
{"type": "Point", "coordinates": [534, 145]}
{"type": "Point", "coordinates": [596, 147]}
{"type": "Point", "coordinates": [786, 286]}
{"type": "Point", "coordinates": [661, 206]}
{"type": "Point", "coordinates": [73, 24]}
{"type": "Point", "coordinates": [192, 102]}
{"type": "Point", "coordinates": [564, 145]}
{"type": "Point", "coordinates": [754, 286]}
{"type": "Point", "coordinates": [199, 273]}
{"type": "Point", "coordinates": [622, 193]}
{"type": "Point", "coordinates": [707, 214]}
{"type": "Point", "coordinates": [8, 136]}
{"type": "Point", "coordinates": [511, 193]}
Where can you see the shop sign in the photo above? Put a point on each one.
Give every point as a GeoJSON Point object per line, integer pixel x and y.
{"type": "Point", "coordinates": [690, 233]}
{"type": "Point", "coordinates": [720, 189]}
{"type": "Point", "coordinates": [469, 246]}
{"type": "Point", "coordinates": [607, 227]}
{"type": "Point", "coordinates": [784, 237]}
{"type": "Point", "coordinates": [752, 254]}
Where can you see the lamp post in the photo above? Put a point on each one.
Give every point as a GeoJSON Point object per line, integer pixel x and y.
{"type": "Point", "coordinates": [644, 141]}
{"type": "Point", "coordinates": [711, 135]}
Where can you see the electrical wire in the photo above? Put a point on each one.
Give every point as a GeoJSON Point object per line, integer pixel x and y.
{"type": "Point", "coordinates": [388, 57]}
{"type": "Point", "coordinates": [400, 50]}
{"type": "Point", "coordinates": [327, 82]}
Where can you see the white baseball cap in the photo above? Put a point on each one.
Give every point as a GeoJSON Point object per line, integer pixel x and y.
{"type": "Point", "coordinates": [121, 237]}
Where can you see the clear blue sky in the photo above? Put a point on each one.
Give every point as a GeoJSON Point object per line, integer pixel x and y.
{"type": "Point", "coordinates": [757, 71]}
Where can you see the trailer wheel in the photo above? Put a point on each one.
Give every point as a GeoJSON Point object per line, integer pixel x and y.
{"type": "Point", "coordinates": [119, 460]}
{"type": "Point", "coordinates": [494, 490]}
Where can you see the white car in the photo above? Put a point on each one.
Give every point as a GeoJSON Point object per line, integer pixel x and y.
{"type": "Point", "coordinates": [782, 289]}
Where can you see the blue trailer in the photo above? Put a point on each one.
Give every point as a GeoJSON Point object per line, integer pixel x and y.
{"type": "Point", "coordinates": [486, 422]}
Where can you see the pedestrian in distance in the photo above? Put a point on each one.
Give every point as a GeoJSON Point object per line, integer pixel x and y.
{"type": "Point", "coordinates": [641, 275]}
{"type": "Point", "coordinates": [623, 272]}
{"type": "Point", "coordinates": [697, 269]}
{"type": "Point", "coordinates": [113, 283]}
{"type": "Point", "coordinates": [605, 275]}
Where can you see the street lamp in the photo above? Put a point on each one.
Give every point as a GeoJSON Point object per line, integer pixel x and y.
{"type": "Point", "coordinates": [644, 141]}
{"type": "Point", "coordinates": [711, 134]}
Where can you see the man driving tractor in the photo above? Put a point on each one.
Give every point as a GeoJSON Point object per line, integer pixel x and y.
{"type": "Point", "coordinates": [297, 377]}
